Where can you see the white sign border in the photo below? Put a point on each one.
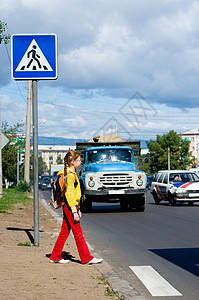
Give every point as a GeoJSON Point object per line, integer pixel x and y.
{"type": "Point", "coordinates": [56, 58]}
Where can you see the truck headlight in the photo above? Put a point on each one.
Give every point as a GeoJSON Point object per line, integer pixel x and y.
{"type": "Point", "coordinates": [91, 182]}
{"type": "Point", "coordinates": [139, 182]}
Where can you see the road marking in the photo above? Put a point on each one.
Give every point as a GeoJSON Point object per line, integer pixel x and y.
{"type": "Point", "coordinates": [154, 283]}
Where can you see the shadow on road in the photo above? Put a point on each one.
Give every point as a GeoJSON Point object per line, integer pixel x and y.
{"type": "Point", "coordinates": [186, 258]}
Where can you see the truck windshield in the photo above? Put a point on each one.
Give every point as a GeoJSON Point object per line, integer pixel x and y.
{"type": "Point", "coordinates": [96, 156]}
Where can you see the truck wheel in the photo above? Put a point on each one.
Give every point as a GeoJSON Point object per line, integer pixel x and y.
{"type": "Point", "coordinates": [85, 204]}
{"type": "Point", "coordinates": [124, 204]}
{"type": "Point", "coordinates": [140, 203]}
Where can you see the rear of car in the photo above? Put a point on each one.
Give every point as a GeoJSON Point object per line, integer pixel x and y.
{"type": "Point", "coordinates": [46, 183]}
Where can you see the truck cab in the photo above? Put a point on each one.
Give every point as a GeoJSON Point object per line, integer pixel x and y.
{"type": "Point", "coordinates": [109, 173]}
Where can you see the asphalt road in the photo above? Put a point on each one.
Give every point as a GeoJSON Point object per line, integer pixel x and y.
{"type": "Point", "coordinates": [164, 237]}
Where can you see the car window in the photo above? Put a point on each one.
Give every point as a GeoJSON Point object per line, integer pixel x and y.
{"type": "Point", "coordinates": [183, 177]}
{"type": "Point", "coordinates": [161, 177]}
{"type": "Point", "coordinates": [155, 178]}
{"type": "Point", "coordinates": [165, 180]}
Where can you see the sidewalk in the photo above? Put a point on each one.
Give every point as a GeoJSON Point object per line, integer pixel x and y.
{"type": "Point", "coordinates": [25, 272]}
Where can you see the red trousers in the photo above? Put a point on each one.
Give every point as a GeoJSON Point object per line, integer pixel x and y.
{"type": "Point", "coordinates": [67, 225]}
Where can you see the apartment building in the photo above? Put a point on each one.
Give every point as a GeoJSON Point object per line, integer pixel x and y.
{"type": "Point", "coordinates": [193, 137]}
{"type": "Point", "coordinates": [50, 153]}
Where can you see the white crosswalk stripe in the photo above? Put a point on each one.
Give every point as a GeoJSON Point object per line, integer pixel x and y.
{"type": "Point", "coordinates": [154, 282]}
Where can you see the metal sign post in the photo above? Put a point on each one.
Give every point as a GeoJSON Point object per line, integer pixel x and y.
{"type": "Point", "coordinates": [35, 164]}
{"type": "Point", "coordinates": [34, 57]}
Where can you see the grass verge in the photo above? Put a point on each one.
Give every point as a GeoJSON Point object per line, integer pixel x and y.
{"type": "Point", "coordinates": [11, 197]}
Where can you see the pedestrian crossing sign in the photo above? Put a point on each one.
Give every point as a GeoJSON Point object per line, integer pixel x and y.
{"type": "Point", "coordinates": [34, 56]}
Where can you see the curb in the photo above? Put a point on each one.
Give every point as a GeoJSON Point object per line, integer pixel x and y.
{"type": "Point", "coordinates": [120, 286]}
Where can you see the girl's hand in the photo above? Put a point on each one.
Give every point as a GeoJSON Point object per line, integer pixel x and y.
{"type": "Point", "coordinates": [76, 217]}
{"type": "Point", "coordinates": [80, 214]}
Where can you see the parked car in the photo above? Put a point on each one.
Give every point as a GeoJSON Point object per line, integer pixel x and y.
{"type": "Point", "coordinates": [41, 178]}
{"type": "Point", "coordinates": [149, 181]}
{"type": "Point", "coordinates": [175, 186]}
{"type": "Point", "coordinates": [46, 183]}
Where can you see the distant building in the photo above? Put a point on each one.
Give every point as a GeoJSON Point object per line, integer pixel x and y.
{"type": "Point", "coordinates": [50, 153]}
{"type": "Point", "coordinates": [193, 137]}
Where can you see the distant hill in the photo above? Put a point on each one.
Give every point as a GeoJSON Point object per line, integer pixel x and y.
{"type": "Point", "coordinates": [45, 140]}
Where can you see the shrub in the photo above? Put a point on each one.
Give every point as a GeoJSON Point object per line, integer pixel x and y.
{"type": "Point", "coordinates": [23, 186]}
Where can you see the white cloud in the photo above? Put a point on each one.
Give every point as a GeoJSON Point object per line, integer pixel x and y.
{"type": "Point", "coordinates": [108, 50]}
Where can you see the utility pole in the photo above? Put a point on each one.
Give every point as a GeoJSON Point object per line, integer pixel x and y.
{"type": "Point", "coordinates": [17, 166]}
{"type": "Point", "coordinates": [168, 158]}
{"type": "Point", "coordinates": [1, 188]}
{"type": "Point", "coordinates": [27, 146]}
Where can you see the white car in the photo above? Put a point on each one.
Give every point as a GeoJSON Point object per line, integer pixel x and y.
{"type": "Point", "coordinates": [175, 186]}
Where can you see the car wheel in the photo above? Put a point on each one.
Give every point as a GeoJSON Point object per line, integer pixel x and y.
{"type": "Point", "coordinates": [156, 199]}
{"type": "Point", "coordinates": [172, 202]}
{"type": "Point", "coordinates": [190, 203]}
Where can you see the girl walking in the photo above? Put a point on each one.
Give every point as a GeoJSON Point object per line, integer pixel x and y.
{"type": "Point", "coordinates": [71, 213]}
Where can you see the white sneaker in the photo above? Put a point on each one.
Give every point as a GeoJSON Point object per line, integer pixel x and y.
{"type": "Point", "coordinates": [95, 260]}
{"type": "Point", "coordinates": [62, 261]}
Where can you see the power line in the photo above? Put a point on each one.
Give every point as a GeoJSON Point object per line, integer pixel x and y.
{"type": "Point", "coordinates": [15, 80]}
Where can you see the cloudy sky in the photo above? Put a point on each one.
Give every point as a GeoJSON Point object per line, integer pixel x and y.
{"type": "Point", "coordinates": [130, 66]}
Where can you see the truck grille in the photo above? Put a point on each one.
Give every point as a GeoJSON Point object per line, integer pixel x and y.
{"type": "Point", "coordinates": [114, 179]}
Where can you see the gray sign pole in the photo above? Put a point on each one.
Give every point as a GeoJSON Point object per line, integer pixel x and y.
{"type": "Point", "coordinates": [35, 162]}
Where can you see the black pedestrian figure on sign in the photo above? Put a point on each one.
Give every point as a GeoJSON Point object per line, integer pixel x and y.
{"type": "Point", "coordinates": [34, 57]}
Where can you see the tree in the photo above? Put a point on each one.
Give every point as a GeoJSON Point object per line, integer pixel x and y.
{"type": "Point", "coordinates": [59, 160]}
{"type": "Point", "coordinates": [9, 152]}
{"type": "Point", "coordinates": [4, 37]}
{"type": "Point", "coordinates": [144, 166]}
{"type": "Point", "coordinates": [180, 156]}
{"type": "Point", "coordinates": [42, 167]}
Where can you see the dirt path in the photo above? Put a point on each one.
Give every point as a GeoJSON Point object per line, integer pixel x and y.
{"type": "Point", "coordinates": [25, 272]}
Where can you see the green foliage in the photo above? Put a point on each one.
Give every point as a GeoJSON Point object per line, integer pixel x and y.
{"type": "Point", "coordinates": [109, 292]}
{"type": "Point", "coordinates": [102, 279]}
{"type": "Point", "coordinates": [4, 37]}
{"type": "Point", "coordinates": [9, 152]}
{"type": "Point", "coordinates": [145, 165]}
{"type": "Point", "coordinates": [23, 186]}
{"type": "Point", "coordinates": [12, 196]}
{"type": "Point", "coordinates": [180, 156]}
{"type": "Point", "coordinates": [42, 167]}
{"type": "Point", "coordinates": [27, 244]}
{"type": "Point", "coordinates": [59, 160]}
